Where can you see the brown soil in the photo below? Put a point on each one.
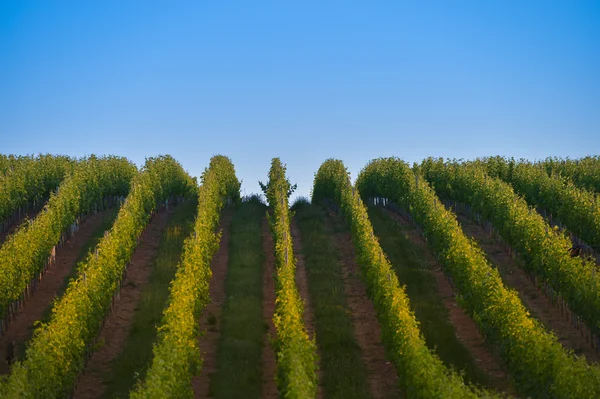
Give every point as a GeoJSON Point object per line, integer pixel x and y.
{"type": "Point", "coordinates": [211, 331]}
{"type": "Point", "coordinates": [515, 278]}
{"type": "Point", "coordinates": [302, 284]}
{"type": "Point", "coordinates": [21, 328]}
{"type": "Point", "coordinates": [381, 374]}
{"type": "Point", "coordinates": [114, 334]}
{"type": "Point", "coordinates": [465, 328]}
{"type": "Point", "coordinates": [269, 364]}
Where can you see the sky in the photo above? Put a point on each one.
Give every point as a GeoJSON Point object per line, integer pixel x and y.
{"type": "Point", "coordinates": [300, 80]}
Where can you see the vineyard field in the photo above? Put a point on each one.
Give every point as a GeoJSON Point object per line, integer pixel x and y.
{"type": "Point", "coordinates": [441, 279]}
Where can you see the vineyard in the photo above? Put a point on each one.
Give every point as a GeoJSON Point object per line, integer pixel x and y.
{"type": "Point", "coordinates": [444, 279]}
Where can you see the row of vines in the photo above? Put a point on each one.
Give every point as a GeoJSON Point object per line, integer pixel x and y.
{"type": "Point", "coordinates": [176, 354]}
{"type": "Point", "coordinates": [576, 208]}
{"type": "Point", "coordinates": [296, 353]}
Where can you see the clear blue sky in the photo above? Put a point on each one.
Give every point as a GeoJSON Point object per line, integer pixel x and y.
{"type": "Point", "coordinates": [304, 81]}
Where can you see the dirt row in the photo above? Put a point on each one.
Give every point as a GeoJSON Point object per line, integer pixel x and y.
{"type": "Point", "coordinates": [20, 330]}
{"type": "Point", "coordinates": [92, 382]}
{"type": "Point", "coordinates": [211, 316]}
{"type": "Point", "coordinates": [381, 374]}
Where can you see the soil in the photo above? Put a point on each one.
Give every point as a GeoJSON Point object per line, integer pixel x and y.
{"type": "Point", "coordinates": [210, 321]}
{"type": "Point", "coordinates": [114, 334]}
{"type": "Point", "coordinates": [21, 328]}
{"type": "Point", "coordinates": [534, 300]}
{"type": "Point", "coordinates": [381, 374]}
{"type": "Point", "coordinates": [464, 326]}
{"type": "Point", "coordinates": [302, 284]}
{"type": "Point", "coordinates": [269, 364]}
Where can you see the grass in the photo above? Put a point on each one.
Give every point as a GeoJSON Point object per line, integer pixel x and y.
{"type": "Point", "coordinates": [344, 373]}
{"type": "Point", "coordinates": [411, 267]}
{"type": "Point", "coordinates": [133, 362]}
{"type": "Point", "coordinates": [240, 346]}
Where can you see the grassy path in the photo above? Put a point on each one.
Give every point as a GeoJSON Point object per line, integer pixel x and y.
{"type": "Point", "coordinates": [242, 326]}
{"type": "Point", "coordinates": [344, 374]}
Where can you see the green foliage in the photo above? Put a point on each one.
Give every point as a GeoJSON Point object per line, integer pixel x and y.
{"type": "Point", "coordinates": [300, 202]}
{"type": "Point", "coordinates": [296, 353]}
{"type": "Point", "coordinates": [176, 354]}
{"type": "Point", "coordinates": [290, 188]}
{"type": "Point", "coordinates": [584, 172]}
{"type": "Point", "coordinates": [422, 374]}
{"type": "Point", "coordinates": [7, 162]}
{"type": "Point", "coordinates": [57, 351]}
{"type": "Point", "coordinates": [255, 199]}
{"type": "Point", "coordinates": [543, 249]}
{"type": "Point", "coordinates": [577, 208]}
{"type": "Point", "coordinates": [25, 253]}
{"type": "Point", "coordinates": [26, 179]}
{"type": "Point", "coordinates": [537, 362]}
